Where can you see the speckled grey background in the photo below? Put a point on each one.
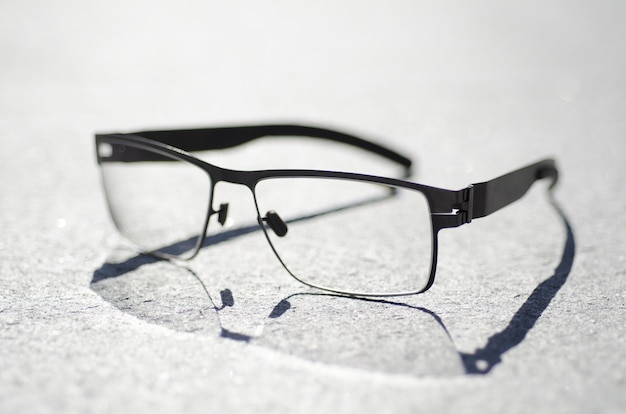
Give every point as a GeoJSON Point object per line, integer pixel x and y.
{"type": "Point", "coordinates": [525, 316]}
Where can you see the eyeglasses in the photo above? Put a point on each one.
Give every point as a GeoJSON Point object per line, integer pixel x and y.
{"type": "Point", "coordinates": [342, 232]}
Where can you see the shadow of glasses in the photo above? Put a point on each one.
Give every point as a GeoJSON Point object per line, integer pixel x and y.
{"type": "Point", "coordinates": [370, 334]}
{"type": "Point", "coordinates": [362, 333]}
{"type": "Point", "coordinates": [483, 360]}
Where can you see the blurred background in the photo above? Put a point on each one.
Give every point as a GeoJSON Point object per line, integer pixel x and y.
{"type": "Point", "coordinates": [446, 78]}
{"type": "Point", "coordinates": [206, 61]}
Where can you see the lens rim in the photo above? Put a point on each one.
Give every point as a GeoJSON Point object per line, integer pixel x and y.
{"type": "Point", "coordinates": [429, 277]}
{"type": "Point", "coordinates": [173, 155]}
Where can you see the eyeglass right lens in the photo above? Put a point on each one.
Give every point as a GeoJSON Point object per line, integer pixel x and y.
{"type": "Point", "coordinates": [348, 235]}
{"type": "Point", "coordinates": [158, 201]}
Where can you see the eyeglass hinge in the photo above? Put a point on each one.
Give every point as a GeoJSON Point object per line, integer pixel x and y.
{"type": "Point", "coordinates": [462, 210]}
{"type": "Point", "coordinates": [466, 207]}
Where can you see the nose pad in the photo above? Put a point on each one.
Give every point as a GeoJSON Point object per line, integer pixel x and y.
{"type": "Point", "coordinates": [276, 223]}
{"type": "Point", "coordinates": [222, 213]}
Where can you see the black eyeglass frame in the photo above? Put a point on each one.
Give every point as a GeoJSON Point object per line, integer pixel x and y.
{"type": "Point", "coordinates": [448, 208]}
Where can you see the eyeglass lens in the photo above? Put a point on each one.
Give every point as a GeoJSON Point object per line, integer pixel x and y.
{"type": "Point", "coordinates": [161, 205]}
{"type": "Point", "coordinates": [348, 235]}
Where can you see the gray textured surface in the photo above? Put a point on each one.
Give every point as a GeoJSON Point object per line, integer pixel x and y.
{"type": "Point", "coordinates": [468, 91]}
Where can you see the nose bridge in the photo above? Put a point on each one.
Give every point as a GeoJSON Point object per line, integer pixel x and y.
{"type": "Point", "coordinates": [225, 181]}
{"type": "Point", "coordinates": [232, 188]}
{"type": "Point", "coordinates": [244, 178]}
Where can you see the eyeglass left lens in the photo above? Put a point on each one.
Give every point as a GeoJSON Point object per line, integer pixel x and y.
{"type": "Point", "coordinates": [156, 200]}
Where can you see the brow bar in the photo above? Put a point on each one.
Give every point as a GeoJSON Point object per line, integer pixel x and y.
{"type": "Point", "coordinates": [228, 137]}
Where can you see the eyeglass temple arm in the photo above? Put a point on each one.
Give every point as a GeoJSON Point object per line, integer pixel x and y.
{"type": "Point", "coordinates": [481, 199]}
{"type": "Point", "coordinates": [228, 137]}
{"type": "Point", "coordinates": [492, 195]}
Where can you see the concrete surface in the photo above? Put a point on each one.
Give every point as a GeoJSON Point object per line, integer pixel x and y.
{"type": "Point", "coordinates": [528, 310]}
